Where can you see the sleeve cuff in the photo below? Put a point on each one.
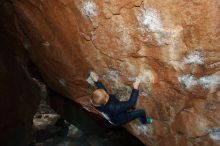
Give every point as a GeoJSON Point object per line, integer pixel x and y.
{"type": "Point", "coordinates": [135, 90]}
{"type": "Point", "coordinates": [96, 82]}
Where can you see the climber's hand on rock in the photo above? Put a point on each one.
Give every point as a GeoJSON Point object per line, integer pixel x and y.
{"type": "Point", "coordinates": [136, 83]}
{"type": "Point", "coordinates": [94, 76]}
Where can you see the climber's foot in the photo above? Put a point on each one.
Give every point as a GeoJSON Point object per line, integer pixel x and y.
{"type": "Point", "coordinates": [149, 120]}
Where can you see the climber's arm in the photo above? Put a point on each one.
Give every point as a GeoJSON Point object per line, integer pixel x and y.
{"type": "Point", "coordinates": [95, 78]}
{"type": "Point", "coordinates": [125, 105]}
{"type": "Point", "coordinates": [99, 85]}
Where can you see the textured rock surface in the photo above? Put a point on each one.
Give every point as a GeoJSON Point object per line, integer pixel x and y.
{"type": "Point", "coordinates": [174, 46]}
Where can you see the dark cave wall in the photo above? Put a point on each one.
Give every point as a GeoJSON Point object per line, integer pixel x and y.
{"type": "Point", "coordinates": [18, 94]}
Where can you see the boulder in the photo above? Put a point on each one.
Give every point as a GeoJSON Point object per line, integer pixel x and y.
{"type": "Point", "coordinates": [173, 46]}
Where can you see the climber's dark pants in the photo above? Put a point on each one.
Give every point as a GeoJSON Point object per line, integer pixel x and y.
{"type": "Point", "coordinates": [126, 117]}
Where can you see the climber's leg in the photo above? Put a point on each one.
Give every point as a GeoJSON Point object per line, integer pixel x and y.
{"type": "Point", "coordinates": [126, 117]}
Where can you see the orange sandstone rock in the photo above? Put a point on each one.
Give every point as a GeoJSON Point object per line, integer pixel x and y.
{"type": "Point", "coordinates": [174, 46]}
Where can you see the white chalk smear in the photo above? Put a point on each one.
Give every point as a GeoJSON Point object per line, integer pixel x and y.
{"type": "Point", "coordinates": [62, 82]}
{"type": "Point", "coordinates": [112, 75]}
{"type": "Point", "coordinates": [125, 37]}
{"type": "Point", "coordinates": [146, 78]}
{"type": "Point", "coordinates": [139, 79]}
{"type": "Point", "coordinates": [214, 133]}
{"type": "Point", "coordinates": [147, 75]}
{"type": "Point", "coordinates": [130, 67]}
{"type": "Point", "coordinates": [92, 73]}
{"type": "Point", "coordinates": [194, 58]}
{"type": "Point", "coordinates": [121, 91]}
{"type": "Point", "coordinates": [206, 81]}
{"type": "Point", "coordinates": [150, 21]}
{"type": "Point", "coordinates": [141, 129]}
{"type": "Point", "coordinates": [150, 18]}
{"type": "Point", "coordinates": [88, 8]}
{"type": "Point", "coordinates": [188, 80]}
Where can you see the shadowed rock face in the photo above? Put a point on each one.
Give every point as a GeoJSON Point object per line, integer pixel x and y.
{"type": "Point", "coordinates": [19, 96]}
{"type": "Point", "coordinates": [174, 46]}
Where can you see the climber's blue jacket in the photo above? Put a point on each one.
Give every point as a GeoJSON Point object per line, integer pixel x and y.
{"type": "Point", "coordinates": [116, 109]}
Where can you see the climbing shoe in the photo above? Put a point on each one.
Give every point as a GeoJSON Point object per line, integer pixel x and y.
{"type": "Point", "coordinates": [149, 120]}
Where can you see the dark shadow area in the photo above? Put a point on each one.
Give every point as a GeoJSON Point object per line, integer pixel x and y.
{"type": "Point", "coordinates": [81, 128]}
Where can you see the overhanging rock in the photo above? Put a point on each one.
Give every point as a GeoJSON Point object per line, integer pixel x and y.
{"type": "Point", "coordinates": [172, 45]}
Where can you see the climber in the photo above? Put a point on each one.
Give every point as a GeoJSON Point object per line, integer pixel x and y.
{"type": "Point", "coordinates": [117, 111]}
